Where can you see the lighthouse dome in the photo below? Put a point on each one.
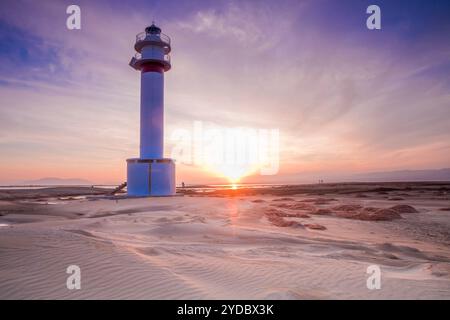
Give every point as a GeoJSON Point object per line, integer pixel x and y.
{"type": "Point", "coordinates": [153, 29]}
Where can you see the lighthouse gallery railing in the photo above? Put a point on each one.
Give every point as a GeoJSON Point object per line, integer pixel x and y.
{"type": "Point", "coordinates": [164, 38]}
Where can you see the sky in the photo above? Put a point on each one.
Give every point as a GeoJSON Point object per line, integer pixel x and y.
{"type": "Point", "coordinates": [344, 99]}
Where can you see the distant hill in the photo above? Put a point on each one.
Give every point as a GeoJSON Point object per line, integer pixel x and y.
{"type": "Point", "coordinates": [51, 181]}
{"type": "Point", "coordinates": [404, 175]}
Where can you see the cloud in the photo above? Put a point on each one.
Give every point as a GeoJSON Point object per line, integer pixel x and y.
{"type": "Point", "coordinates": [255, 28]}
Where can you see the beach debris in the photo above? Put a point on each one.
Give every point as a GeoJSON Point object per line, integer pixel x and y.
{"type": "Point", "coordinates": [295, 206]}
{"type": "Point", "coordinates": [322, 201]}
{"type": "Point", "coordinates": [368, 214]}
{"type": "Point", "coordinates": [358, 212]}
{"type": "Point", "coordinates": [362, 195]}
{"type": "Point", "coordinates": [284, 199]}
{"type": "Point", "coordinates": [396, 198]}
{"type": "Point", "coordinates": [119, 188]}
{"type": "Point", "coordinates": [375, 214]}
{"type": "Point", "coordinates": [281, 222]}
{"type": "Point", "coordinates": [404, 208]}
{"type": "Point", "coordinates": [319, 200]}
{"type": "Point", "coordinates": [315, 226]}
{"type": "Point", "coordinates": [348, 207]}
{"type": "Point", "coordinates": [323, 212]}
{"type": "Point", "coordinates": [276, 217]}
{"type": "Point", "coordinates": [280, 213]}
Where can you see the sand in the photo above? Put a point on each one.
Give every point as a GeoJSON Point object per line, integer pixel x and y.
{"type": "Point", "coordinates": [304, 242]}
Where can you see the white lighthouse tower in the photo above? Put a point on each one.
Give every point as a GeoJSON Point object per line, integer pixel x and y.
{"type": "Point", "coordinates": [151, 174]}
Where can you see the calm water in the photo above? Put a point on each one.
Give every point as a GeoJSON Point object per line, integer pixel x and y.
{"type": "Point", "coordinates": [199, 188]}
{"type": "Point", "coordinates": [212, 187]}
{"type": "Point", "coordinates": [50, 186]}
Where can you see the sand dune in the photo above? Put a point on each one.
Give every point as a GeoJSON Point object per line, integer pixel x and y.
{"type": "Point", "coordinates": [232, 247]}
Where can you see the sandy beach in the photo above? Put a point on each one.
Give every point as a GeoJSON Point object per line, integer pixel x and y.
{"type": "Point", "coordinates": [291, 242]}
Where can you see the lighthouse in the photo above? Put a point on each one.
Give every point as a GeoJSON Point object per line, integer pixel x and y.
{"type": "Point", "coordinates": [151, 174]}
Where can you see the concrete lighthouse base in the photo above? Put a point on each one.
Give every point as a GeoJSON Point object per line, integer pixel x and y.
{"type": "Point", "coordinates": [150, 177]}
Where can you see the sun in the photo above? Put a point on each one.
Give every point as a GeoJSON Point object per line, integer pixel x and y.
{"type": "Point", "coordinates": [233, 173]}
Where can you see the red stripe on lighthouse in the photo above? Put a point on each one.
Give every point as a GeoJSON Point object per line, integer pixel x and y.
{"type": "Point", "coordinates": [152, 67]}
